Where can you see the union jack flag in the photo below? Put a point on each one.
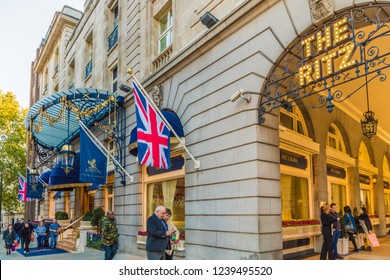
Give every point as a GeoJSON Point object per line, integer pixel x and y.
{"type": "Point", "coordinates": [152, 134]}
{"type": "Point", "coordinates": [22, 189]}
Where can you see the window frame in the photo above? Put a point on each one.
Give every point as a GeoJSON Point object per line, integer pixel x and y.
{"type": "Point", "coordinates": [166, 33]}
{"type": "Point", "coordinates": [296, 115]}
{"type": "Point", "coordinates": [338, 137]}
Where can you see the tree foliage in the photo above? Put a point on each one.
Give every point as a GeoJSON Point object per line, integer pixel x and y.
{"type": "Point", "coordinates": [12, 148]}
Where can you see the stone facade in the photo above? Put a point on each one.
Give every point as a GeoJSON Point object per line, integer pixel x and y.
{"type": "Point", "coordinates": [233, 201]}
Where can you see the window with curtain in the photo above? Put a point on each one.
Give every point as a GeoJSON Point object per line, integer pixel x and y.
{"type": "Point", "coordinates": [365, 199]}
{"type": "Point", "coordinates": [338, 195]}
{"type": "Point", "coordinates": [171, 195]}
{"type": "Point", "coordinates": [295, 197]}
{"type": "Point", "coordinates": [165, 32]}
{"type": "Point", "coordinates": [387, 203]}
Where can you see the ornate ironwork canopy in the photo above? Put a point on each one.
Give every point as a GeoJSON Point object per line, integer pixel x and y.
{"type": "Point", "coordinates": [319, 64]}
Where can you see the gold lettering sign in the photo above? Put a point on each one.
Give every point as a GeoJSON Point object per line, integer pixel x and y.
{"type": "Point", "coordinates": [321, 63]}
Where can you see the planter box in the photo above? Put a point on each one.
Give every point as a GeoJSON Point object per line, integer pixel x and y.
{"type": "Point", "coordinates": [342, 246]}
{"type": "Point", "coordinates": [291, 233]}
{"type": "Point", "coordinates": [85, 224]}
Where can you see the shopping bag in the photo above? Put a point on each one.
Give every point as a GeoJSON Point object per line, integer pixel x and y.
{"type": "Point", "coordinates": [373, 240]}
{"type": "Point", "coordinates": [16, 244]}
{"type": "Point", "coordinates": [12, 248]}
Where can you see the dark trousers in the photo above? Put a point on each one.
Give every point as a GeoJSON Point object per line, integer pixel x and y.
{"type": "Point", "coordinates": [26, 245]}
{"type": "Point", "coordinates": [335, 239]}
{"type": "Point", "coordinates": [155, 255]}
{"type": "Point", "coordinates": [352, 238]}
{"type": "Point", "coordinates": [110, 251]}
{"type": "Point", "coordinates": [40, 239]}
{"type": "Point", "coordinates": [327, 248]}
{"type": "Point", "coordinates": [168, 257]}
{"type": "Point", "coordinates": [21, 238]}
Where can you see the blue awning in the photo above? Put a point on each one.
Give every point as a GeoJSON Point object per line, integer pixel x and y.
{"type": "Point", "coordinates": [45, 176]}
{"type": "Point", "coordinates": [94, 187]}
{"type": "Point", "coordinates": [57, 194]}
{"type": "Point", "coordinates": [173, 120]}
{"type": "Point", "coordinates": [48, 118]}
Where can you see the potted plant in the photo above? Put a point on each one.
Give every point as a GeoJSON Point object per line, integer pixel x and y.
{"type": "Point", "coordinates": [98, 213]}
{"type": "Point", "coordinates": [342, 244]}
{"type": "Point", "coordinates": [86, 220]}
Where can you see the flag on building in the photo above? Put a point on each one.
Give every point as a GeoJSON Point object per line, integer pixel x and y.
{"type": "Point", "coordinates": [93, 162]}
{"type": "Point", "coordinates": [152, 134]}
{"type": "Point", "coordinates": [34, 189]}
{"type": "Point", "coordinates": [22, 189]}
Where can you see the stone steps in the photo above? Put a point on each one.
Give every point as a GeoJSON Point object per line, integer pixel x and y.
{"type": "Point", "coordinates": [68, 241]}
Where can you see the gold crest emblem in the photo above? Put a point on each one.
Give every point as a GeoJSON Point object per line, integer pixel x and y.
{"type": "Point", "coordinates": [92, 163]}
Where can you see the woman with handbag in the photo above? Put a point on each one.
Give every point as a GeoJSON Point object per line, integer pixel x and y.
{"type": "Point", "coordinates": [9, 237]}
{"type": "Point", "coordinates": [365, 223]}
{"type": "Point", "coordinates": [172, 241]}
{"type": "Point", "coordinates": [350, 226]}
{"type": "Point", "coordinates": [26, 234]}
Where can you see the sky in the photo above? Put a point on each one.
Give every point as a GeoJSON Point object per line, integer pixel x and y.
{"type": "Point", "coordinates": [23, 24]}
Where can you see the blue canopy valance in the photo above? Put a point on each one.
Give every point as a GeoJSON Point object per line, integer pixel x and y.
{"type": "Point", "coordinates": [49, 119]}
{"type": "Point", "coordinates": [45, 176]}
{"type": "Point", "coordinates": [173, 120]}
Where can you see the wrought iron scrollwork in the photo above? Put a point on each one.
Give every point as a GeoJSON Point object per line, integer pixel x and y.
{"type": "Point", "coordinates": [358, 55]}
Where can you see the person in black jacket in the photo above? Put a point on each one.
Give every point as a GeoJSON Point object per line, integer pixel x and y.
{"type": "Point", "coordinates": [365, 223]}
{"type": "Point", "coordinates": [9, 237]}
{"type": "Point", "coordinates": [349, 219]}
{"type": "Point", "coordinates": [26, 234]}
{"type": "Point", "coordinates": [327, 220]}
{"type": "Point", "coordinates": [157, 235]}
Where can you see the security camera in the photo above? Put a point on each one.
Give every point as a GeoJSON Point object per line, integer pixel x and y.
{"type": "Point", "coordinates": [237, 95]}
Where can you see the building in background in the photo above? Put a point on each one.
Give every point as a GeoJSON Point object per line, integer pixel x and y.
{"type": "Point", "coordinates": [257, 176]}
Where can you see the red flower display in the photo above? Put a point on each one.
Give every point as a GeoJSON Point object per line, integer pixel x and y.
{"type": "Point", "coordinates": [300, 223]}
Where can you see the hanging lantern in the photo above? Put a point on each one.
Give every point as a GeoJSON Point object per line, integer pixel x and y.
{"type": "Point", "coordinates": [67, 157]}
{"type": "Point", "coordinates": [33, 177]}
{"type": "Point", "coordinates": [369, 124]}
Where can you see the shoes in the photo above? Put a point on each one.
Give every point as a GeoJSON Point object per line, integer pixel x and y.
{"type": "Point", "coordinates": [355, 250]}
{"type": "Point", "coordinates": [338, 257]}
{"type": "Point", "coordinates": [362, 248]}
{"type": "Point", "coordinates": [369, 248]}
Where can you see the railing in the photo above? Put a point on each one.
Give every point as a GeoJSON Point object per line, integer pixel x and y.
{"type": "Point", "coordinates": [162, 59]}
{"type": "Point", "coordinates": [88, 69]}
{"type": "Point", "coordinates": [113, 38]}
{"type": "Point", "coordinates": [94, 240]}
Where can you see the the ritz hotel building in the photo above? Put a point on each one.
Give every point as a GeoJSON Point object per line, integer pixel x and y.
{"type": "Point", "coordinates": [269, 96]}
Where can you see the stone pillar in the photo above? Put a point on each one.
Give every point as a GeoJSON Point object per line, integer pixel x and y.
{"type": "Point", "coordinates": [84, 228]}
{"type": "Point", "coordinates": [353, 186]}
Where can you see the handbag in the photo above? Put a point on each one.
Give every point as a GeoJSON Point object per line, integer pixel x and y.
{"type": "Point", "coordinates": [373, 240]}
{"type": "Point", "coordinates": [349, 226]}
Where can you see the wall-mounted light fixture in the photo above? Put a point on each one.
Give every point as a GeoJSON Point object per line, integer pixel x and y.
{"type": "Point", "coordinates": [243, 94]}
{"type": "Point", "coordinates": [208, 20]}
{"type": "Point", "coordinates": [125, 88]}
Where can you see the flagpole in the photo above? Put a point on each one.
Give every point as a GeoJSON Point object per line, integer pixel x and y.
{"type": "Point", "coordinates": [196, 162]}
{"type": "Point", "coordinates": [101, 147]}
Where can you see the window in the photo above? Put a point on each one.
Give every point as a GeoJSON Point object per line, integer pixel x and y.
{"type": "Point", "coordinates": [71, 74]}
{"type": "Point", "coordinates": [91, 201]}
{"type": "Point", "coordinates": [56, 61]}
{"type": "Point", "coordinates": [363, 153]}
{"type": "Point", "coordinates": [365, 199]}
{"type": "Point", "coordinates": [165, 32]}
{"type": "Point", "coordinates": [387, 203]}
{"type": "Point", "coordinates": [115, 79]}
{"type": "Point", "coordinates": [335, 139]}
{"type": "Point", "coordinates": [339, 195]}
{"type": "Point", "coordinates": [291, 118]}
{"type": "Point", "coordinates": [109, 198]}
{"type": "Point", "coordinates": [113, 37]}
{"type": "Point", "coordinates": [295, 197]}
{"type": "Point", "coordinates": [111, 148]}
{"type": "Point", "coordinates": [171, 194]}
{"type": "Point", "coordinates": [89, 55]}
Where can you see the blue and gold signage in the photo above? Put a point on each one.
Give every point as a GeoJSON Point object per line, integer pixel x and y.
{"type": "Point", "coordinates": [335, 171]}
{"type": "Point", "coordinates": [293, 159]}
{"type": "Point", "coordinates": [93, 162]}
{"type": "Point", "coordinates": [176, 164]}
{"type": "Point", "coordinates": [364, 179]}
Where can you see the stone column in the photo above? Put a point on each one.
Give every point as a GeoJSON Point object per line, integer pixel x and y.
{"type": "Point", "coordinates": [84, 228]}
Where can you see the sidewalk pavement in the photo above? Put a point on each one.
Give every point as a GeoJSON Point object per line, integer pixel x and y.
{"type": "Point", "coordinates": [378, 253]}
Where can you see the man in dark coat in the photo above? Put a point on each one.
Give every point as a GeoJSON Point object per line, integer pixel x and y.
{"type": "Point", "coordinates": [157, 235]}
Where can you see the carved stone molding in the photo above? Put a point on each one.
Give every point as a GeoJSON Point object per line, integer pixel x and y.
{"type": "Point", "coordinates": [320, 9]}
{"type": "Point", "coordinates": [157, 95]}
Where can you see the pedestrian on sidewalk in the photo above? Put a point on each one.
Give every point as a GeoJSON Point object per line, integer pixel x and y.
{"type": "Point", "coordinates": [349, 219]}
{"type": "Point", "coordinates": [365, 223]}
{"type": "Point", "coordinates": [336, 230]}
{"type": "Point", "coordinates": [18, 227]}
{"type": "Point", "coordinates": [26, 235]}
{"type": "Point", "coordinates": [109, 232]}
{"type": "Point", "coordinates": [9, 237]}
{"type": "Point", "coordinates": [171, 243]}
{"type": "Point", "coordinates": [327, 220]}
{"type": "Point", "coordinates": [54, 230]}
{"type": "Point", "coordinates": [41, 233]}
{"type": "Point", "coordinates": [157, 235]}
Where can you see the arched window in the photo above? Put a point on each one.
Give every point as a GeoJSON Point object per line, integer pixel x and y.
{"type": "Point", "coordinates": [291, 118]}
{"type": "Point", "coordinates": [335, 139]}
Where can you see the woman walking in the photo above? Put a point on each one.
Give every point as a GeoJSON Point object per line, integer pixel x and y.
{"type": "Point", "coordinates": [26, 234]}
{"type": "Point", "coordinates": [9, 237]}
{"type": "Point", "coordinates": [41, 233]}
{"type": "Point", "coordinates": [171, 243]}
{"type": "Point", "coordinates": [349, 221]}
{"type": "Point", "coordinates": [327, 220]}
{"type": "Point", "coordinates": [365, 223]}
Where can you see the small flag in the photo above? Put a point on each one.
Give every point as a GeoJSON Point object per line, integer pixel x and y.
{"type": "Point", "coordinates": [152, 134]}
{"type": "Point", "coordinates": [93, 162]}
{"type": "Point", "coordinates": [22, 189]}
